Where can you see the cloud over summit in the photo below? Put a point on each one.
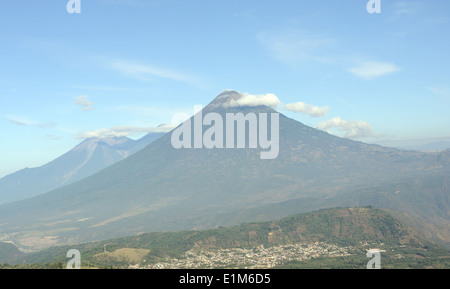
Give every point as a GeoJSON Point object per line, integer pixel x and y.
{"type": "Point", "coordinates": [247, 99]}
{"type": "Point", "coordinates": [308, 109]}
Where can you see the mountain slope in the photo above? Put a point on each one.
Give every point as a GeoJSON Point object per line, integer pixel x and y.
{"type": "Point", "coordinates": [161, 188]}
{"type": "Point", "coordinates": [87, 158]}
{"type": "Point", "coordinates": [360, 228]}
{"type": "Point", "coordinates": [422, 201]}
{"type": "Point", "coordinates": [9, 254]}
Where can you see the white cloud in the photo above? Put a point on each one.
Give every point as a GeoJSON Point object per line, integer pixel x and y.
{"type": "Point", "coordinates": [120, 131]}
{"type": "Point", "coordinates": [246, 99]}
{"type": "Point", "coordinates": [21, 121]}
{"type": "Point", "coordinates": [308, 109]}
{"type": "Point", "coordinates": [148, 73]}
{"type": "Point", "coordinates": [353, 129]}
{"type": "Point", "coordinates": [371, 69]}
{"type": "Point", "coordinates": [84, 102]}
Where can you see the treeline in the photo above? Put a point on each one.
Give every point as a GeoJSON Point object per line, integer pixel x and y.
{"type": "Point", "coordinates": [58, 265]}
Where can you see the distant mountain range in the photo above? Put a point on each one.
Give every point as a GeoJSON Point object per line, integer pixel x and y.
{"type": "Point", "coordinates": [430, 147]}
{"type": "Point", "coordinates": [160, 188]}
{"type": "Point", "coordinates": [87, 158]}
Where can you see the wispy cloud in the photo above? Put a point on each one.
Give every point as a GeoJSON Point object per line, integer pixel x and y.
{"type": "Point", "coordinates": [405, 7]}
{"type": "Point", "coordinates": [84, 102]}
{"type": "Point", "coordinates": [308, 109]}
{"type": "Point", "coordinates": [21, 121]}
{"type": "Point", "coordinates": [149, 73]}
{"type": "Point", "coordinates": [370, 70]}
{"type": "Point", "coordinates": [101, 88]}
{"type": "Point", "coordinates": [292, 46]}
{"type": "Point", "coordinates": [53, 137]}
{"type": "Point", "coordinates": [120, 131]}
{"type": "Point", "coordinates": [141, 110]}
{"type": "Point", "coordinates": [353, 129]}
{"type": "Point", "coordinates": [443, 93]}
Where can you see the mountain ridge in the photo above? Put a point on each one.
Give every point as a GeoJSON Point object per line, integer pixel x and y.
{"type": "Point", "coordinates": [163, 188]}
{"type": "Point", "coordinates": [85, 159]}
{"type": "Point", "coordinates": [356, 228]}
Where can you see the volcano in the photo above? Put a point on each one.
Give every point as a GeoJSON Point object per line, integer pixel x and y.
{"type": "Point", "coordinates": [164, 188]}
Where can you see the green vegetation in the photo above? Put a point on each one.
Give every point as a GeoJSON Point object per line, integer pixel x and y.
{"type": "Point", "coordinates": [359, 229]}
{"type": "Point", "coordinates": [395, 258]}
{"type": "Point", "coordinates": [59, 265]}
{"type": "Point", "coordinates": [9, 253]}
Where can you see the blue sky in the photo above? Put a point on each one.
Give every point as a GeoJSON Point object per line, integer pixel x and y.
{"type": "Point", "coordinates": [125, 67]}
